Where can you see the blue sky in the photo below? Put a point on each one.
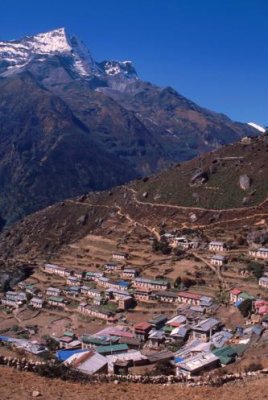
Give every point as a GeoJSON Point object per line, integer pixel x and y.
{"type": "Point", "coordinates": [214, 52]}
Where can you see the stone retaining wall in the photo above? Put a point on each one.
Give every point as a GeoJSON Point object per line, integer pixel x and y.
{"type": "Point", "coordinates": [53, 370]}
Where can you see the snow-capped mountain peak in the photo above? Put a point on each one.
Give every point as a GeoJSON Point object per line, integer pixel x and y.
{"type": "Point", "coordinates": [19, 55]}
{"type": "Point", "coordinates": [55, 41]}
{"type": "Point", "coordinates": [16, 54]}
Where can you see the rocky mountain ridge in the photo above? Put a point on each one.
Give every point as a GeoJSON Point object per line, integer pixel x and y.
{"type": "Point", "coordinates": [69, 124]}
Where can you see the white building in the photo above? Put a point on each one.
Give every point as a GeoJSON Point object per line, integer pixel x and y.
{"type": "Point", "coordinates": [120, 256]}
{"type": "Point", "coordinates": [197, 364]}
{"type": "Point", "coordinates": [36, 302]}
{"type": "Point", "coordinates": [154, 284]}
{"type": "Point", "coordinates": [218, 260]}
{"type": "Point", "coordinates": [263, 282]}
{"type": "Point", "coordinates": [261, 253]}
{"type": "Point", "coordinates": [216, 246]}
{"type": "Point", "coordinates": [56, 270]}
{"type": "Point", "coordinates": [96, 312]}
{"type": "Point", "coordinates": [90, 292]}
{"type": "Point", "coordinates": [56, 302]}
{"type": "Point", "coordinates": [51, 291]}
{"type": "Point", "coordinates": [113, 267]}
{"type": "Point", "coordinates": [73, 281]}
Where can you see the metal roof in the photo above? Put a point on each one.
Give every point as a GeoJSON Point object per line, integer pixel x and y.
{"type": "Point", "coordinates": [152, 281]}
{"type": "Point", "coordinates": [97, 341]}
{"type": "Point", "coordinates": [132, 355]}
{"type": "Point", "coordinates": [154, 334]}
{"type": "Point", "coordinates": [143, 325]}
{"type": "Point", "coordinates": [180, 331]}
{"type": "Point", "coordinates": [176, 321]}
{"type": "Point", "coordinates": [245, 296]}
{"type": "Point", "coordinates": [206, 324]}
{"type": "Point", "coordinates": [37, 300]}
{"type": "Point", "coordinates": [228, 354]}
{"type": "Point", "coordinates": [196, 363]}
{"type": "Point", "coordinates": [195, 346]}
{"type": "Point", "coordinates": [189, 295]}
{"type": "Point", "coordinates": [218, 257]}
{"type": "Point", "coordinates": [161, 355]}
{"type": "Point", "coordinates": [112, 348]}
{"type": "Point", "coordinates": [220, 338]}
{"type": "Point", "coordinates": [166, 294]}
{"type": "Point", "coordinates": [87, 362]}
{"type": "Point", "coordinates": [158, 319]}
{"type": "Point", "coordinates": [53, 289]}
{"type": "Point", "coordinates": [56, 299]}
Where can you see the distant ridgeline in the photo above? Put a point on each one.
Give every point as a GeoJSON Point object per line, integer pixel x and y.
{"type": "Point", "coordinates": [70, 125]}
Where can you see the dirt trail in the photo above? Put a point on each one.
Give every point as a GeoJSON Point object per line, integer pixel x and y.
{"type": "Point", "coordinates": [212, 267]}
{"type": "Point", "coordinates": [134, 192]}
{"type": "Point", "coordinates": [163, 205]}
{"type": "Point", "coordinates": [153, 231]}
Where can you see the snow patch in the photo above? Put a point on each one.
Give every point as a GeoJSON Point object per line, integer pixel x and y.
{"type": "Point", "coordinates": [258, 127]}
{"type": "Point", "coordinates": [124, 68]}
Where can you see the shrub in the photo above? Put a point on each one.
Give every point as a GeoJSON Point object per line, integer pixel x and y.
{"type": "Point", "coordinates": [177, 282]}
{"type": "Point", "coordinates": [161, 246]}
{"type": "Point", "coordinates": [163, 368]}
{"type": "Point", "coordinates": [253, 367]}
{"type": "Point", "coordinates": [51, 343]}
{"type": "Point", "coordinates": [15, 328]}
{"type": "Point", "coordinates": [245, 307]}
{"type": "Point", "coordinates": [256, 269]}
{"type": "Point", "coordinates": [187, 282]}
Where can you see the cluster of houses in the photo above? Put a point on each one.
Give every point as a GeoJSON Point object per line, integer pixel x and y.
{"type": "Point", "coordinates": [181, 241]}
{"type": "Point", "coordinates": [192, 340]}
{"type": "Point", "coordinates": [261, 254]}
{"type": "Point", "coordinates": [186, 243]}
{"type": "Point", "coordinates": [93, 290]}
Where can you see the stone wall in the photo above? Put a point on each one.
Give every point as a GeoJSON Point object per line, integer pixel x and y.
{"type": "Point", "coordinates": [51, 369]}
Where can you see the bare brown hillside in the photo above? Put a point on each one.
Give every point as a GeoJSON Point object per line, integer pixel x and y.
{"type": "Point", "coordinates": [20, 386]}
{"type": "Point", "coordinates": [154, 203]}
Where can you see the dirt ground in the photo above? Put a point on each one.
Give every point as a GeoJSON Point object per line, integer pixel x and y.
{"type": "Point", "coordinates": [230, 317]}
{"type": "Point", "coordinates": [17, 385]}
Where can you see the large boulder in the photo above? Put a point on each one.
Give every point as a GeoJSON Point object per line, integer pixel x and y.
{"type": "Point", "coordinates": [244, 182]}
{"type": "Point", "coordinates": [199, 178]}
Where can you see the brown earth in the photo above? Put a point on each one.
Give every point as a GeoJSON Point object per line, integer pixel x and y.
{"type": "Point", "coordinates": [79, 230]}
{"type": "Point", "coordinates": [17, 385]}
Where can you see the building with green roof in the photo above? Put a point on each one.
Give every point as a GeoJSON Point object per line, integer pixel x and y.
{"type": "Point", "coordinates": [112, 349]}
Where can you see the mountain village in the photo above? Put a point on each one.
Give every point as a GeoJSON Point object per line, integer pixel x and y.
{"type": "Point", "coordinates": [133, 200]}
{"type": "Point", "coordinates": [119, 319]}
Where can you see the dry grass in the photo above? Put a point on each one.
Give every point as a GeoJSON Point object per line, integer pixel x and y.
{"type": "Point", "coordinates": [19, 386]}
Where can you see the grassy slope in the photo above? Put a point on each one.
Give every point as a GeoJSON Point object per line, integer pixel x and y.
{"type": "Point", "coordinates": [222, 188]}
